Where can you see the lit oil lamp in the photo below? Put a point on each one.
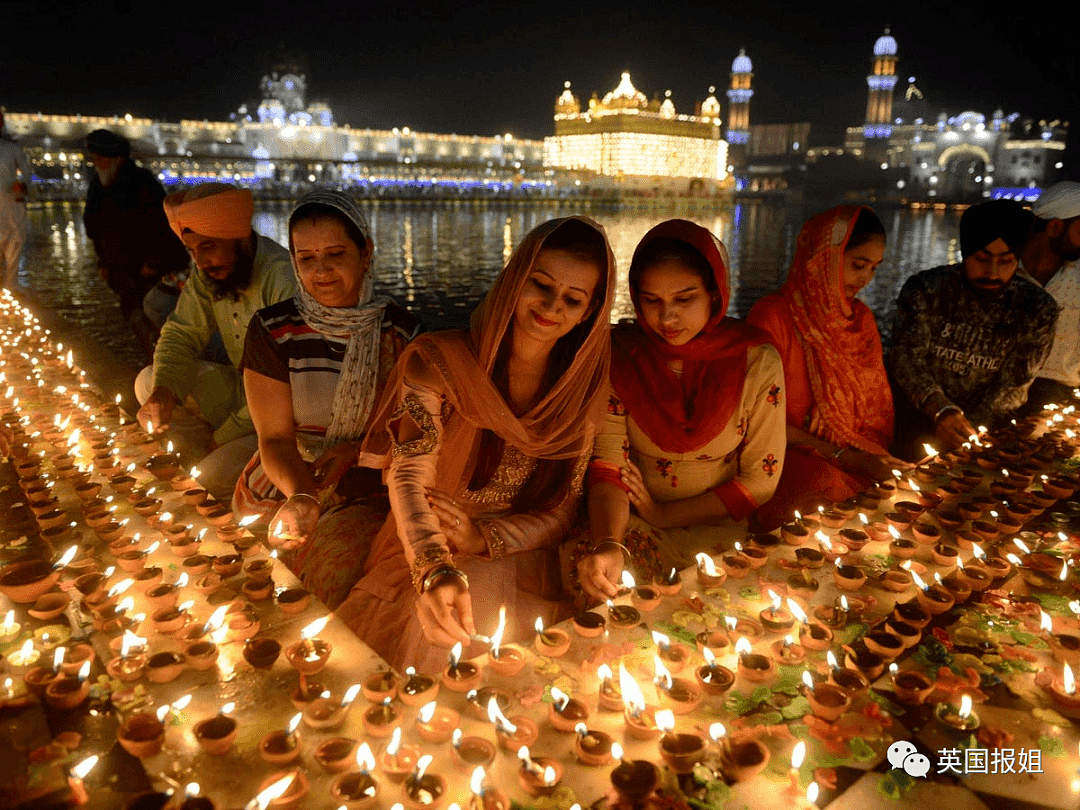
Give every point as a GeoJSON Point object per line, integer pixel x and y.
{"type": "Point", "coordinates": [436, 723]}
{"type": "Point", "coordinates": [592, 747]}
{"type": "Point", "coordinates": [752, 666]}
{"type": "Point", "coordinates": [827, 701]}
{"type": "Point", "coordinates": [910, 686]}
{"type": "Point", "coordinates": [69, 692]}
{"type": "Point", "coordinates": [309, 655]}
{"type": "Point", "coordinates": [506, 661]}
{"type": "Point", "coordinates": [460, 676]}
{"type": "Point", "coordinates": [671, 584]}
{"type": "Point", "coordinates": [23, 658]}
{"type": "Point", "coordinates": [398, 759]}
{"type": "Point", "coordinates": [708, 574]}
{"type": "Point", "coordinates": [552, 642]}
{"type": "Point", "coordinates": [357, 789]}
{"type": "Point", "coordinates": [680, 751]}
{"type": "Point", "coordinates": [609, 695]}
{"type": "Point", "coordinates": [282, 747]}
{"type": "Point", "coordinates": [958, 718]}
{"type": "Point", "coordinates": [712, 678]}
{"type": "Point", "coordinates": [326, 713]}
{"type": "Point", "coordinates": [75, 780]}
{"type": "Point", "coordinates": [216, 734]}
{"type": "Point", "coordinates": [643, 597]}
{"type": "Point", "coordinates": [379, 718]}
{"type": "Point", "coordinates": [623, 617]}
{"type": "Point", "coordinates": [1063, 691]}
{"type": "Point", "coordinates": [674, 655]}
{"type": "Point", "coordinates": [792, 792]}
{"type": "Point", "coordinates": [512, 734]}
{"type": "Point", "coordinates": [10, 629]}
{"type": "Point", "coordinates": [678, 695]}
{"type": "Point", "coordinates": [640, 718]}
{"type": "Point", "coordinates": [423, 789]}
{"type": "Point", "coordinates": [776, 618]}
{"type": "Point", "coordinates": [485, 797]}
{"type": "Point", "coordinates": [379, 685]}
{"type": "Point", "coordinates": [589, 624]}
{"type": "Point", "coordinates": [538, 776]}
{"type": "Point", "coordinates": [565, 712]}
{"type": "Point", "coordinates": [131, 662]}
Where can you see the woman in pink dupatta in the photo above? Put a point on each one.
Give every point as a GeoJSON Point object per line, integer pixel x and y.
{"type": "Point", "coordinates": [839, 406]}
{"type": "Point", "coordinates": [485, 434]}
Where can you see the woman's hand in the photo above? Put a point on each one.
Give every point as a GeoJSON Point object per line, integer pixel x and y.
{"type": "Point", "coordinates": [953, 429]}
{"type": "Point", "coordinates": [462, 533]}
{"type": "Point", "coordinates": [650, 511]}
{"type": "Point", "coordinates": [600, 573]}
{"type": "Point", "coordinates": [445, 612]}
{"type": "Point", "coordinates": [334, 463]}
{"type": "Point", "coordinates": [294, 522]}
{"type": "Point", "coordinates": [870, 465]}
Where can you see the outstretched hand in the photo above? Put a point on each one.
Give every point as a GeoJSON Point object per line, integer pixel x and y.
{"type": "Point", "coordinates": [600, 573]}
{"type": "Point", "coordinates": [333, 464]}
{"type": "Point", "coordinates": [445, 612]}
{"type": "Point", "coordinates": [293, 523]}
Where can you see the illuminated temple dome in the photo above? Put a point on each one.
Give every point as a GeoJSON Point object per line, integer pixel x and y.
{"type": "Point", "coordinates": [885, 45]}
{"type": "Point", "coordinates": [625, 96]}
{"type": "Point", "coordinates": [567, 103]}
{"type": "Point", "coordinates": [742, 63]}
{"type": "Point", "coordinates": [710, 107]}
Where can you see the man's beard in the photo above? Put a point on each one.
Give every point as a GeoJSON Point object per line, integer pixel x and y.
{"type": "Point", "coordinates": [108, 176]}
{"type": "Point", "coordinates": [1065, 249]}
{"type": "Point", "coordinates": [237, 280]}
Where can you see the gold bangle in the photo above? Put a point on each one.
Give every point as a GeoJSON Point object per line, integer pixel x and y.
{"type": "Point", "coordinates": [495, 543]}
{"type": "Point", "coordinates": [427, 559]}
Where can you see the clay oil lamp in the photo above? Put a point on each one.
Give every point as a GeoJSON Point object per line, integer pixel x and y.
{"type": "Point", "coordinates": [163, 667]}
{"type": "Point", "coordinates": [134, 558]}
{"type": "Point", "coordinates": [977, 575]}
{"type": "Point", "coordinates": [589, 624]}
{"type": "Point", "coordinates": [9, 629]}
{"type": "Point", "coordinates": [398, 759]}
{"type": "Point", "coordinates": [913, 613]}
{"type": "Point", "coordinates": [309, 655]}
{"type": "Point", "coordinates": [879, 531]}
{"type": "Point", "coordinates": [202, 654]}
{"type": "Point", "coordinates": [49, 606]}
{"type": "Point", "coordinates": [261, 653]}
{"type": "Point", "coordinates": [282, 747]}
{"type": "Point", "coordinates": [417, 689]}
{"type": "Point", "coordinates": [776, 619]}
{"type": "Point", "coordinates": [934, 599]}
{"type": "Point", "coordinates": [671, 583]}
{"type": "Point", "coordinates": [379, 718]}
{"type": "Point", "coordinates": [813, 558]}
{"type": "Point", "coordinates": [592, 747]}
{"type": "Point", "coordinates": [1065, 647]}
{"type": "Point", "coordinates": [850, 680]}
{"type": "Point", "coordinates": [623, 617]}
{"type": "Point", "coordinates": [712, 678]}
{"type": "Point", "coordinates": [753, 667]}
{"type": "Point", "coordinates": [26, 580]}
{"type": "Point", "coordinates": [511, 733]}
{"type": "Point", "coordinates": [324, 712]}
{"type": "Point", "coordinates": [833, 518]}
{"type": "Point", "coordinates": [740, 759]}
{"type": "Point", "coordinates": [460, 676]}
{"type": "Point", "coordinates": [677, 694]}
{"type": "Point", "coordinates": [170, 620]}
{"type": "Point", "coordinates": [565, 712]}
{"type": "Point", "coordinates": [357, 789]}
{"type": "Point", "coordinates": [884, 644]}
{"type": "Point", "coordinates": [257, 590]}
{"type": "Point", "coordinates": [925, 533]}
{"type": "Point", "coordinates": [539, 776]}
{"type": "Point", "coordinates": [552, 643]}
{"type": "Point", "coordinates": [228, 565]}
{"type": "Point", "coordinates": [908, 634]}
{"type": "Point", "coordinates": [379, 685]}
{"type": "Point", "coordinates": [471, 752]}
{"type": "Point", "coordinates": [848, 577]}
{"type": "Point", "coordinates": [423, 790]}
{"type": "Point", "coordinates": [164, 466]}
{"type": "Point", "coordinates": [803, 585]}
{"type": "Point", "coordinates": [644, 597]}
{"type": "Point", "coordinates": [508, 660]}
{"type": "Point", "coordinates": [216, 735]}
{"type": "Point", "coordinates": [897, 579]}
{"type": "Point", "coordinates": [826, 701]}
{"type": "Point", "coordinates": [899, 520]}
{"type": "Point", "coordinates": [436, 723]}
{"type": "Point", "coordinates": [910, 686]}
{"type": "Point", "coordinates": [958, 719]}
{"type": "Point", "coordinates": [477, 700]}
{"type": "Point", "coordinates": [290, 600]}
{"type": "Point", "coordinates": [75, 657]}
{"type": "Point", "coordinates": [633, 781]}
{"type": "Point", "coordinates": [716, 641]}
{"type": "Point", "coordinates": [639, 718]}
{"type": "Point", "coordinates": [956, 583]}
{"type": "Point", "coordinates": [868, 663]}
{"type": "Point", "coordinates": [674, 655]}
{"type": "Point", "coordinates": [787, 652]}
{"type": "Point", "coordinates": [945, 555]}
{"type": "Point", "coordinates": [753, 556]}
{"type": "Point", "coordinates": [736, 565]}
{"type": "Point", "coordinates": [142, 735]}
{"type": "Point", "coordinates": [129, 665]}
{"type": "Point", "coordinates": [69, 691]}
{"type": "Point", "coordinates": [609, 696]}
{"type": "Point", "coordinates": [147, 579]}
{"type": "Point", "coordinates": [336, 754]}
{"type": "Point", "coordinates": [709, 576]}
{"type": "Point", "coordinates": [166, 595]}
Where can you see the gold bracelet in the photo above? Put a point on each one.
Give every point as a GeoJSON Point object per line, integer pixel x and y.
{"type": "Point", "coordinates": [495, 543]}
{"type": "Point", "coordinates": [428, 558]}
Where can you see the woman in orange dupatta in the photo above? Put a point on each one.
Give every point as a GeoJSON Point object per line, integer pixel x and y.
{"type": "Point", "coordinates": [694, 435]}
{"type": "Point", "coordinates": [485, 434]}
{"type": "Point", "coordinates": [839, 406]}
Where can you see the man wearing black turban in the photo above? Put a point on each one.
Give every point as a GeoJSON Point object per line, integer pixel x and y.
{"type": "Point", "coordinates": [969, 338]}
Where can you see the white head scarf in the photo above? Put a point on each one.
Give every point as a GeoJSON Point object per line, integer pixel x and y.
{"type": "Point", "coordinates": [354, 397]}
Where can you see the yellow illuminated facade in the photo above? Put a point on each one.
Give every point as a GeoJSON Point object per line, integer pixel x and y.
{"type": "Point", "coordinates": [627, 135]}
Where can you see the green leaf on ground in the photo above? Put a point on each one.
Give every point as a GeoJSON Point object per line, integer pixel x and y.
{"type": "Point", "coordinates": [1051, 746]}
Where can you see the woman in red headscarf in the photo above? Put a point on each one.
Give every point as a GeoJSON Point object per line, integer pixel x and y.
{"type": "Point", "coordinates": [694, 434]}
{"type": "Point", "coordinates": [839, 406]}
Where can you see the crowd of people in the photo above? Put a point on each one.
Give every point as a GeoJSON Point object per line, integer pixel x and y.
{"type": "Point", "coordinates": [419, 482]}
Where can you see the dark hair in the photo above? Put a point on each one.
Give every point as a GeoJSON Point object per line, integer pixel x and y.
{"type": "Point", "coordinates": [664, 248]}
{"type": "Point", "coordinates": [867, 226]}
{"type": "Point", "coordinates": [312, 212]}
{"type": "Point", "coordinates": [551, 477]}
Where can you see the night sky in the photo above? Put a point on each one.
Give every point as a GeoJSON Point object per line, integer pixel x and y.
{"type": "Point", "coordinates": [494, 68]}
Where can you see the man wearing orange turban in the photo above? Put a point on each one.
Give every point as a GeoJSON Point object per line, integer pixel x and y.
{"type": "Point", "coordinates": [237, 273]}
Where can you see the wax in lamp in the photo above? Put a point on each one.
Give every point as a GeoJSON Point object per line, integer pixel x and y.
{"type": "Point", "coordinates": [424, 790]}
{"type": "Point", "coordinates": [565, 712]}
{"type": "Point", "coordinates": [511, 734]}
{"type": "Point", "coordinates": [540, 776]}
{"type": "Point", "coordinates": [282, 747]}
{"type": "Point", "coordinates": [552, 643]}
{"type": "Point", "coordinates": [460, 676]}
{"type": "Point", "coordinates": [608, 694]}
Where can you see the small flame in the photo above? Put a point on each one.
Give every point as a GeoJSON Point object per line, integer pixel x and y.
{"type": "Point", "coordinates": [893, 531]}
{"type": "Point", "coordinates": [743, 646]}
{"type": "Point", "coordinates": [808, 679]}
{"type": "Point", "coordinates": [497, 636]}
{"type": "Point", "coordinates": [291, 728]}
{"type": "Point", "coordinates": [1045, 622]}
{"type": "Point", "coordinates": [275, 791]}
{"type": "Point", "coordinates": [315, 627]}
{"type": "Point", "coordinates": [775, 597]}
{"type": "Point", "coordinates": [665, 720]}
{"type": "Point", "coordinates": [660, 640]}
{"type": "Point", "coordinates": [798, 754]}
{"type": "Point", "coordinates": [84, 671]}
{"type": "Point", "coordinates": [662, 678]}
{"type": "Point", "coordinates": [707, 654]}
{"type": "Point", "coordinates": [499, 720]}
{"type": "Point", "coordinates": [476, 781]}
{"type": "Point", "coordinates": [1068, 681]}
{"type": "Point", "coordinates": [395, 742]}
{"type": "Point", "coordinates": [965, 706]}
{"type": "Point", "coordinates": [539, 625]}
{"type": "Point", "coordinates": [628, 579]}
{"type": "Point", "coordinates": [560, 698]}
{"type": "Point", "coordinates": [181, 703]}
{"type": "Point", "coordinates": [796, 610]}
{"type": "Point", "coordinates": [350, 695]}
{"type": "Point", "coordinates": [604, 673]}
{"type": "Point", "coordinates": [365, 760]}
{"type": "Point", "coordinates": [422, 766]}
{"type": "Point", "coordinates": [631, 692]}
{"type": "Point", "coordinates": [919, 581]}
{"type": "Point", "coordinates": [706, 564]}
{"type": "Point", "coordinates": [716, 732]}
{"type": "Point", "coordinates": [84, 767]}
{"type": "Point", "coordinates": [454, 655]}
{"type": "Point", "coordinates": [227, 708]}
{"type": "Point", "coordinates": [427, 711]}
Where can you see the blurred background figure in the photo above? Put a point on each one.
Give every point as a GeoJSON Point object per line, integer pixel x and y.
{"type": "Point", "coordinates": [14, 183]}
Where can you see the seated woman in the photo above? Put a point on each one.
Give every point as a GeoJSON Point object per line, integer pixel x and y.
{"type": "Point", "coordinates": [314, 366]}
{"type": "Point", "coordinates": [485, 434]}
{"type": "Point", "coordinates": [694, 433]}
{"type": "Point", "coordinates": [839, 407]}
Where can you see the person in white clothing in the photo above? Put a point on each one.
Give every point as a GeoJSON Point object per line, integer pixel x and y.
{"type": "Point", "coordinates": [15, 178]}
{"type": "Point", "coordinates": [1051, 256]}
